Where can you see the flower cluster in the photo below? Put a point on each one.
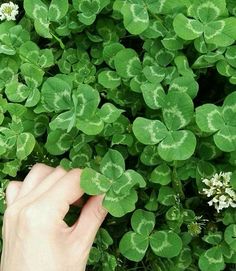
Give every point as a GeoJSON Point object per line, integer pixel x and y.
{"type": "Point", "coordinates": [8, 11]}
{"type": "Point", "coordinates": [220, 189]}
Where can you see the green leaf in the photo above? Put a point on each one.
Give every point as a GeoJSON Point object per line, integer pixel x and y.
{"type": "Point", "coordinates": [221, 32]}
{"type": "Point", "coordinates": [25, 145]}
{"type": "Point", "coordinates": [136, 17]}
{"type": "Point", "coordinates": [91, 126]}
{"type": "Point", "coordinates": [125, 139]}
{"type": "Point", "coordinates": [112, 164]}
{"type": "Point", "coordinates": [109, 52]}
{"type": "Point", "coordinates": [161, 174]}
{"type": "Point", "coordinates": [133, 246]}
{"type": "Point", "coordinates": [11, 167]}
{"type": "Point", "coordinates": [103, 238]}
{"type": "Point", "coordinates": [143, 222]}
{"type": "Point", "coordinates": [187, 29]}
{"type": "Point", "coordinates": [109, 113]}
{"type": "Point", "coordinates": [56, 94]}
{"type": "Point", "coordinates": [185, 84]}
{"type": "Point", "coordinates": [208, 118]}
{"type": "Point", "coordinates": [35, 8]}
{"type": "Point", "coordinates": [119, 205]}
{"type": "Point", "coordinates": [64, 121]}
{"type": "Point", "coordinates": [94, 183]}
{"type": "Point", "coordinates": [177, 110]}
{"type": "Point", "coordinates": [229, 109]}
{"type": "Point", "coordinates": [33, 75]}
{"type": "Point", "coordinates": [58, 142]}
{"type": "Point", "coordinates": [109, 79]}
{"type": "Point", "coordinates": [86, 100]}
{"type": "Point", "coordinates": [230, 55]}
{"type": "Point", "coordinates": [177, 145]}
{"type": "Point", "coordinates": [16, 92]}
{"type": "Point", "coordinates": [127, 63]}
{"type": "Point", "coordinates": [149, 132]}
{"type": "Point", "coordinates": [153, 94]}
{"type": "Point", "coordinates": [46, 58]}
{"type": "Point", "coordinates": [225, 139]}
{"type": "Point", "coordinates": [182, 65]}
{"type": "Point", "coordinates": [173, 214]}
{"type": "Point", "coordinates": [57, 10]}
{"type": "Point", "coordinates": [94, 256]}
{"type": "Point", "coordinates": [150, 156]}
{"type": "Point", "coordinates": [154, 74]}
{"type": "Point", "coordinates": [29, 51]}
{"type": "Point", "coordinates": [207, 11]}
{"type": "Point", "coordinates": [152, 203]}
{"type": "Point", "coordinates": [126, 181]}
{"type": "Point", "coordinates": [213, 238]}
{"type": "Point", "coordinates": [166, 196]}
{"type": "Point", "coordinates": [166, 244]}
{"type": "Point", "coordinates": [172, 41]}
{"type": "Point", "coordinates": [155, 30]}
{"type": "Point", "coordinates": [230, 236]}
{"type": "Point", "coordinates": [212, 260]}
{"type": "Point", "coordinates": [38, 11]}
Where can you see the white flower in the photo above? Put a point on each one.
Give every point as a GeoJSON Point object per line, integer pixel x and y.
{"type": "Point", "coordinates": [8, 11]}
{"type": "Point", "coordinates": [219, 188]}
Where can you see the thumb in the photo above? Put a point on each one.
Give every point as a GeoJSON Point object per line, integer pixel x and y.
{"type": "Point", "coordinates": [12, 191]}
{"type": "Point", "coordinates": [91, 218]}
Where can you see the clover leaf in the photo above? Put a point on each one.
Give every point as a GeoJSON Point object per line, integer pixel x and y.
{"type": "Point", "coordinates": [134, 244]}
{"type": "Point", "coordinates": [212, 260]}
{"type": "Point", "coordinates": [208, 22]}
{"type": "Point", "coordinates": [43, 14]}
{"type": "Point", "coordinates": [127, 63]}
{"type": "Point", "coordinates": [88, 9]}
{"type": "Point", "coordinates": [166, 243]}
{"type": "Point", "coordinates": [220, 121]}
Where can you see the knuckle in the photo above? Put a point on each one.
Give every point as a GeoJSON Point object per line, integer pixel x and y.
{"type": "Point", "coordinates": [10, 213]}
{"type": "Point", "coordinates": [31, 218]}
{"type": "Point", "coordinates": [27, 213]}
{"type": "Point", "coordinates": [38, 167]}
{"type": "Point", "coordinates": [12, 184]}
{"type": "Point", "coordinates": [61, 170]}
{"type": "Point", "coordinates": [28, 218]}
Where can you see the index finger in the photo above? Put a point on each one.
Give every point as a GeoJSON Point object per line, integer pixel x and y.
{"type": "Point", "coordinates": [63, 193]}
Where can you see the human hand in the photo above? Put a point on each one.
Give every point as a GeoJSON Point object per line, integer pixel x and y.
{"type": "Point", "coordinates": [35, 237]}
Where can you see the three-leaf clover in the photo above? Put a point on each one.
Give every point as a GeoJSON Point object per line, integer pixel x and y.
{"type": "Point", "coordinates": [134, 244]}
{"type": "Point", "coordinates": [43, 14]}
{"type": "Point", "coordinates": [220, 121]}
{"type": "Point", "coordinates": [207, 20]}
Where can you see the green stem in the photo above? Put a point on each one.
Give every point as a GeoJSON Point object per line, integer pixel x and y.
{"type": "Point", "coordinates": [38, 150]}
{"type": "Point", "coordinates": [156, 17]}
{"type": "Point", "coordinates": [177, 184]}
{"type": "Point", "coordinates": [59, 41]}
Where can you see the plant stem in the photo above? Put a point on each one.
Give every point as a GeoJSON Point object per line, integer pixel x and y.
{"type": "Point", "coordinates": [176, 182]}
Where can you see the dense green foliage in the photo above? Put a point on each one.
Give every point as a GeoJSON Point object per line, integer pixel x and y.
{"type": "Point", "coordinates": [141, 94]}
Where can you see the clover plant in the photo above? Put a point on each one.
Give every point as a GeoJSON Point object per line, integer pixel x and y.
{"type": "Point", "coordinates": [141, 95]}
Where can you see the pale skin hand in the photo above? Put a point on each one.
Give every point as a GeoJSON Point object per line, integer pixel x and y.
{"type": "Point", "coordinates": [35, 237]}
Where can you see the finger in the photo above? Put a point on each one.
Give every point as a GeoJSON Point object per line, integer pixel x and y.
{"type": "Point", "coordinates": [12, 191]}
{"type": "Point", "coordinates": [62, 194]}
{"type": "Point", "coordinates": [91, 218]}
{"type": "Point", "coordinates": [36, 175]}
{"type": "Point", "coordinates": [42, 187]}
